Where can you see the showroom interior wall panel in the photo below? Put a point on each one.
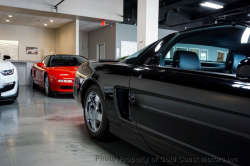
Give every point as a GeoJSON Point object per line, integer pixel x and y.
{"type": "Point", "coordinates": [105, 35]}
{"type": "Point", "coordinates": [83, 44]}
{"type": "Point", "coordinates": [29, 37]}
{"type": "Point", "coordinates": [104, 9]}
{"type": "Point", "coordinates": [66, 39]}
{"type": "Point", "coordinates": [125, 32]}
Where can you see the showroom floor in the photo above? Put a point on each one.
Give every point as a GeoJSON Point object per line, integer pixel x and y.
{"type": "Point", "coordinates": [40, 131]}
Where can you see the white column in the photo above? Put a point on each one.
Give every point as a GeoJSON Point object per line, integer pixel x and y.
{"type": "Point", "coordinates": [147, 22]}
{"type": "Point", "coordinates": [77, 36]}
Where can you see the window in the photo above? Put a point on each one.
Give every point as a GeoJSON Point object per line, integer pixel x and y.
{"type": "Point", "coordinates": [170, 54]}
{"type": "Point", "coordinates": [211, 46]}
{"type": "Point", "coordinates": [132, 58]}
{"type": "Point", "coordinates": [204, 55]}
{"type": "Point", "coordinates": [204, 52]}
{"type": "Point", "coordinates": [66, 60]}
{"type": "Point", "coordinates": [221, 56]}
{"type": "Point", "coordinates": [181, 48]}
{"type": "Point", "coordinates": [195, 50]}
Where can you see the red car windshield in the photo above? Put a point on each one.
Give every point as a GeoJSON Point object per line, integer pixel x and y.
{"type": "Point", "coordinates": [66, 60]}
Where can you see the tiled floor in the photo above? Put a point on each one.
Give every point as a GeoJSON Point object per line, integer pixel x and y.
{"type": "Point", "coordinates": [41, 131]}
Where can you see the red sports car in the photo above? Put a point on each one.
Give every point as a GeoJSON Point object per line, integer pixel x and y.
{"type": "Point", "coordinates": [56, 73]}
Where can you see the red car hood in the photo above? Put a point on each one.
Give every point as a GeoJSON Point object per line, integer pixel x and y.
{"type": "Point", "coordinates": [63, 72]}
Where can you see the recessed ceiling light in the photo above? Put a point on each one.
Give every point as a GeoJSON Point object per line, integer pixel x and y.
{"type": "Point", "coordinates": [51, 21]}
{"type": "Point", "coordinates": [10, 16]}
{"type": "Point", "coordinates": [7, 20]}
{"type": "Point", "coordinates": [248, 15]}
{"type": "Point", "coordinates": [211, 5]}
{"type": "Point", "coordinates": [45, 24]}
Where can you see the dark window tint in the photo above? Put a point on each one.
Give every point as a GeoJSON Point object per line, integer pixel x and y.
{"type": "Point", "coordinates": [66, 60]}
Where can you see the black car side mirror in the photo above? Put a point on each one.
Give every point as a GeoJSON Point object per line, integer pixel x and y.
{"type": "Point", "coordinates": [155, 60]}
{"type": "Point", "coordinates": [6, 57]}
{"type": "Point", "coordinates": [243, 70]}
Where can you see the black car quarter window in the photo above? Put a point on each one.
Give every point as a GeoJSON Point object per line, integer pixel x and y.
{"type": "Point", "coordinates": [136, 56]}
{"type": "Point", "coordinates": [208, 49]}
{"type": "Point", "coordinates": [153, 50]}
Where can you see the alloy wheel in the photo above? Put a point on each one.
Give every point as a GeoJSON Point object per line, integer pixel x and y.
{"type": "Point", "coordinates": [93, 112]}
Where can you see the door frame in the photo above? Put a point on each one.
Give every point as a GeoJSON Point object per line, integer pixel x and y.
{"type": "Point", "coordinates": [98, 50]}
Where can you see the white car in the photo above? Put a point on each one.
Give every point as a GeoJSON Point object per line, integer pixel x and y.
{"type": "Point", "coordinates": [8, 80]}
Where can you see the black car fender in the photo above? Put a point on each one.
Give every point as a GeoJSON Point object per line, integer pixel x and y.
{"type": "Point", "coordinates": [85, 86]}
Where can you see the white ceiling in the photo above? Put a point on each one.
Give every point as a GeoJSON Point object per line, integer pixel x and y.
{"type": "Point", "coordinates": [86, 26]}
{"type": "Point", "coordinates": [39, 21]}
{"type": "Point", "coordinates": [32, 20]}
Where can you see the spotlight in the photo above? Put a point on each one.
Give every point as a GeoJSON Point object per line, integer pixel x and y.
{"type": "Point", "coordinates": [211, 5]}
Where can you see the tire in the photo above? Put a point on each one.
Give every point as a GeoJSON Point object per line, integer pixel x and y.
{"type": "Point", "coordinates": [95, 116]}
{"type": "Point", "coordinates": [48, 92]}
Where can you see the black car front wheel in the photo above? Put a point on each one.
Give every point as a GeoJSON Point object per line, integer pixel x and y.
{"type": "Point", "coordinates": [95, 117]}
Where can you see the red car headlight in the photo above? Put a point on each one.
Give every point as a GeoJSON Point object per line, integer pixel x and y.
{"type": "Point", "coordinates": [66, 81]}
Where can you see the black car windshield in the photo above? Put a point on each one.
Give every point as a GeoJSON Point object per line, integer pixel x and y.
{"type": "Point", "coordinates": [66, 60]}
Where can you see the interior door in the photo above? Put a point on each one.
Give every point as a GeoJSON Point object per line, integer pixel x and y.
{"type": "Point", "coordinates": [101, 51]}
{"type": "Point", "coordinates": [192, 114]}
{"type": "Point", "coordinates": [128, 48]}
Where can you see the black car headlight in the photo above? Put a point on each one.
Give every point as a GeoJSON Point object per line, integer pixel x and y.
{"type": "Point", "coordinates": [7, 72]}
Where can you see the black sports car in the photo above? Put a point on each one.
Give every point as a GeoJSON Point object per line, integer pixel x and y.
{"type": "Point", "coordinates": [184, 97]}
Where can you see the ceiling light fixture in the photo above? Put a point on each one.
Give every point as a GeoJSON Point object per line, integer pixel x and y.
{"type": "Point", "coordinates": [211, 5]}
{"type": "Point", "coordinates": [51, 21]}
{"type": "Point", "coordinates": [248, 15]}
{"type": "Point", "coordinates": [10, 15]}
{"type": "Point", "coordinates": [7, 20]}
{"type": "Point", "coordinates": [45, 24]}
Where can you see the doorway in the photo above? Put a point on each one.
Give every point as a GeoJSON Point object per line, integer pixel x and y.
{"type": "Point", "coordinates": [100, 51]}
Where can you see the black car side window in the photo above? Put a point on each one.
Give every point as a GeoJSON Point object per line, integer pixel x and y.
{"type": "Point", "coordinates": [208, 49]}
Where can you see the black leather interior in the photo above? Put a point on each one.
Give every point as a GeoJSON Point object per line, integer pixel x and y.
{"type": "Point", "coordinates": [186, 60]}
{"type": "Point", "coordinates": [232, 61]}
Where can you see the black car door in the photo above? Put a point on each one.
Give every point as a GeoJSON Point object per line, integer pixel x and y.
{"type": "Point", "coordinates": [190, 113]}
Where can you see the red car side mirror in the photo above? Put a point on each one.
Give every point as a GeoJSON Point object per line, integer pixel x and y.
{"type": "Point", "coordinates": [40, 65]}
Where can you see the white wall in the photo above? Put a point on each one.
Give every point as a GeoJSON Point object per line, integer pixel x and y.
{"type": "Point", "coordinates": [164, 32]}
{"type": "Point", "coordinates": [100, 9]}
{"type": "Point", "coordinates": [83, 44]}
{"type": "Point", "coordinates": [66, 40]}
{"type": "Point", "coordinates": [29, 37]}
{"type": "Point", "coordinates": [105, 35]}
{"type": "Point", "coordinates": [126, 32]}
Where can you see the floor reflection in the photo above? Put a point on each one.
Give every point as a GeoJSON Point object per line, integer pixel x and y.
{"type": "Point", "coordinates": [9, 110]}
{"type": "Point", "coordinates": [41, 130]}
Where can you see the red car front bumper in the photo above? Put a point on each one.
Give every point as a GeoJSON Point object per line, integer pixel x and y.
{"type": "Point", "coordinates": [61, 87]}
